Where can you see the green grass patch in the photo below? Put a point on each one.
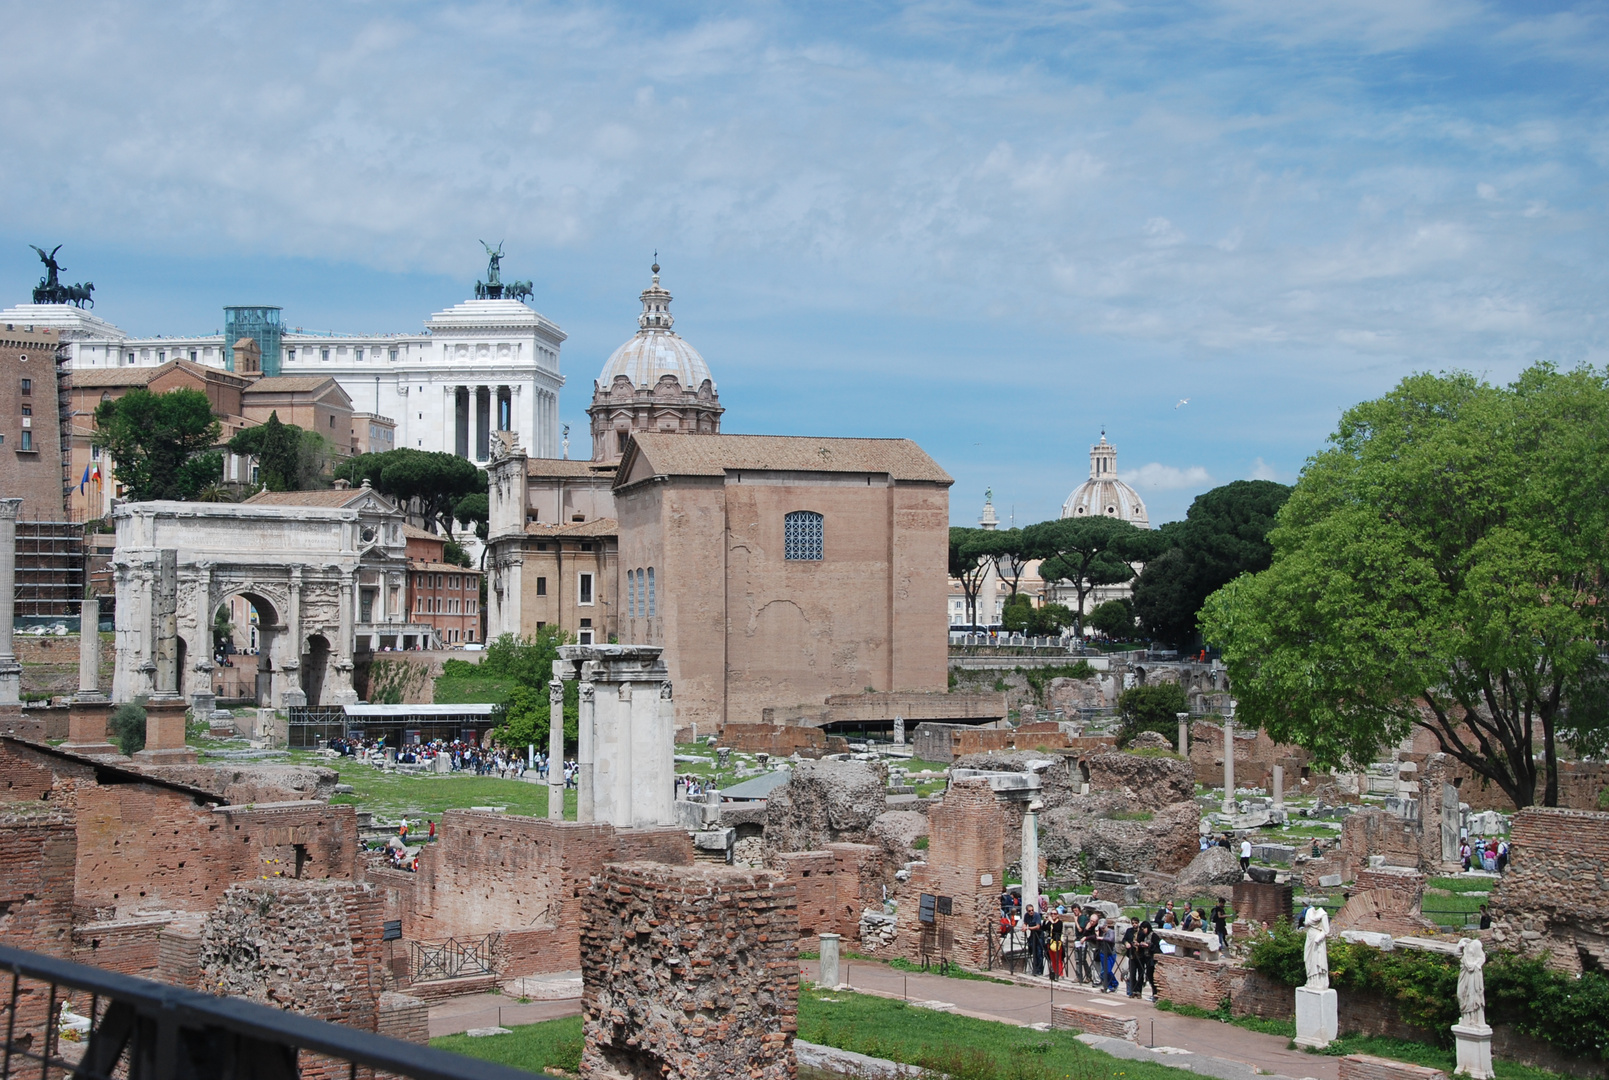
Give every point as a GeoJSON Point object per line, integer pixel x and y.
{"type": "Point", "coordinates": [1286, 1028]}
{"type": "Point", "coordinates": [552, 1044]}
{"type": "Point", "coordinates": [920, 843]}
{"type": "Point", "coordinates": [918, 765]}
{"type": "Point", "coordinates": [1433, 1057]}
{"type": "Point", "coordinates": [473, 690]}
{"type": "Point", "coordinates": [1130, 815]}
{"type": "Point", "coordinates": [1462, 884]}
{"type": "Point", "coordinates": [393, 794]}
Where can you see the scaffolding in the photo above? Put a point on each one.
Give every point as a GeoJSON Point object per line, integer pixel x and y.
{"type": "Point", "coordinates": [262, 325]}
{"type": "Point", "coordinates": [50, 569]}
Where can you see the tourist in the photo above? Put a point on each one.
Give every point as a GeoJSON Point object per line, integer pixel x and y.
{"type": "Point", "coordinates": [432, 830]}
{"type": "Point", "coordinates": [1220, 925]}
{"type": "Point", "coordinates": [1033, 922]}
{"type": "Point", "coordinates": [1092, 943]}
{"type": "Point", "coordinates": [1107, 947]}
{"type": "Point", "coordinates": [1463, 853]}
{"type": "Point", "coordinates": [1075, 930]}
{"type": "Point", "coordinates": [1142, 960]}
{"type": "Point", "coordinates": [1502, 856]}
{"type": "Point", "coordinates": [1245, 855]}
{"type": "Point", "coordinates": [1486, 918]}
{"type": "Point", "coordinates": [1055, 946]}
{"type": "Point", "coordinates": [1164, 914]}
{"type": "Point", "coordinates": [1190, 922]}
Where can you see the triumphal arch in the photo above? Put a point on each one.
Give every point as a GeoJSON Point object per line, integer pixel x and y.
{"type": "Point", "coordinates": [327, 583]}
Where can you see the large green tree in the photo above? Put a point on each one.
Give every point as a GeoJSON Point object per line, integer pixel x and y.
{"type": "Point", "coordinates": [1223, 535]}
{"type": "Point", "coordinates": [1088, 551]}
{"type": "Point", "coordinates": [439, 481]}
{"type": "Point", "coordinates": [288, 457]}
{"type": "Point", "coordinates": [1443, 564]}
{"type": "Point", "coordinates": [968, 566]}
{"type": "Point", "coordinates": [161, 444]}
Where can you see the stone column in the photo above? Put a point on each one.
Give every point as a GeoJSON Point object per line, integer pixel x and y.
{"type": "Point", "coordinates": [899, 731]}
{"type": "Point", "coordinates": [555, 750]}
{"type": "Point", "coordinates": [89, 650]}
{"type": "Point", "coordinates": [1229, 759]}
{"type": "Point", "coordinates": [164, 712]}
{"type": "Point", "coordinates": [10, 670]}
{"type": "Point", "coordinates": [1184, 734]}
{"type": "Point", "coordinates": [1279, 787]}
{"type": "Point", "coordinates": [291, 695]}
{"type": "Point", "coordinates": [585, 748]}
{"type": "Point", "coordinates": [1030, 855]}
{"type": "Point", "coordinates": [827, 977]}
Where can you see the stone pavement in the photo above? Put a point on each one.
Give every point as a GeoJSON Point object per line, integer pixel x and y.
{"type": "Point", "coordinates": [1203, 1046]}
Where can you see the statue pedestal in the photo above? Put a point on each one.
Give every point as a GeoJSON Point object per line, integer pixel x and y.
{"type": "Point", "coordinates": [1316, 1024]}
{"type": "Point", "coordinates": [164, 733]}
{"type": "Point", "coordinates": [1474, 1051]}
{"type": "Point", "coordinates": [86, 729]}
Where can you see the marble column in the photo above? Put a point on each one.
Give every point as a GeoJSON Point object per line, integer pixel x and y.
{"type": "Point", "coordinates": [89, 650]}
{"type": "Point", "coordinates": [10, 670]}
{"type": "Point", "coordinates": [899, 731]}
{"type": "Point", "coordinates": [86, 720]}
{"type": "Point", "coordinates": [291, 695]}
{"type": "Point", "coordinates": [1030, 855]}
{"type": "Point", "coordinates": [1229, 759]}
{"type": "Point", "coordinates": [1279, 787]}
{"type": "Point", "coordinates": [827, 976]}
{"type": "Point", "coordinates": [585, 807]}
{"type": "Point", "coordinates": [1184, 734]}
{"type": "Point", "coordinates": [556, 750]}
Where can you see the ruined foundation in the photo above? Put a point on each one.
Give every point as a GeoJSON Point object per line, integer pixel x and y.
{"type": "Point", "coordinates": [689, 973]}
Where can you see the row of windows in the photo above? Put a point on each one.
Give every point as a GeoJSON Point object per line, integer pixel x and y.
{"type": "Point", "coordinates": [640, 592]}
{"type": "Point", "coordinates": [453, 637]}
{"type": "Point", "coordinates": [435, 605]}
{"type": "Point", "coordinates": [583, 588]}
{"type": "Point", "coordinates": [454, 581]}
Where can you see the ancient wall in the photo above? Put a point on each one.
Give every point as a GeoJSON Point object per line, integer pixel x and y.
{"type": "Point", "coordinates": [1256, 902]}
{"type": "Point", "coordinates": [778, 740]}
{"type": "Point", "coordinates": [1376, 832]}
{"type": "Point", "coordinates": [1147, 781]}
{"type": "Point", "coordinates": [833, 886]}
{"type": "Point", "coordinates": [1183, 981]}
{"type": "Point", "coordinates": [520, 878]}
{"type": "Point", "coordinates": [689, 973]}
{"type": "Point", "coordinates": [130, 946]}
{"type": "Point", "coordinates": [1552, 897]}
{"type": "Point", "coordinates": [965, 863]}
{"type": "Point", "coordinates": [37, 851]}
{"type": "Point", "coordinates": [1385, 901]}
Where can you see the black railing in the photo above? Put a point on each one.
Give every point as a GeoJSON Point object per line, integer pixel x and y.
{"type": "Point", "coordinates": [455, 958]}
{"type": "Point", "coordinates": [123, 1028]}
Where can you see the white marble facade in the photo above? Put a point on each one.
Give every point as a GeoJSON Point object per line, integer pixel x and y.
{"type": "Point", "coordinates": [478, 367]}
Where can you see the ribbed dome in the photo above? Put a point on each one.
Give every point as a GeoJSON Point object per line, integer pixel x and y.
{"type": "Point", "coordinates": [1103, 493]}
{"type": "Point", "coordinates": [656, 349]}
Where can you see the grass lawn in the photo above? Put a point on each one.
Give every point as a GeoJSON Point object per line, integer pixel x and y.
{"type": "Point", "coordinates": [957, 1046]}
{"type": "Point", "coordinates": [1431, 1056]}
{"type": "Point", "coordinates": [1450, 909]}
{"type": "Point", "coordinates": [552, 1044]}
{"type": "Point", "coordinates": [472, 690]}
{"type": "Point", "coordinates": [390, 795]}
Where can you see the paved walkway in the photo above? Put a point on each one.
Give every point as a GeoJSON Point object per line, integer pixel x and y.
{"type": "Point", "coordinates": [1203, 1046]}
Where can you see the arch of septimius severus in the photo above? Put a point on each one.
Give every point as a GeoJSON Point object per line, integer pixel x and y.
{"type": "Point", "coordinates": [324, 580]}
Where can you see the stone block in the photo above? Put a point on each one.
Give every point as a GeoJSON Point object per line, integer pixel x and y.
{"type": "Point", "coordinates": [1369, 1067]}
{"type": "Point", "coordinates": [1316, 1021]}
{"type": "Point", "coordinates": [1094, 1021]}
{"type": "Point", "coordinates": [1329, 881]}
{"type": "Point", "coordinates": [1274, 853]}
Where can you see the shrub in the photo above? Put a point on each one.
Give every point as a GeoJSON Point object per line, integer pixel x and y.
{"type": "Point", "coordinates": [128, 728]}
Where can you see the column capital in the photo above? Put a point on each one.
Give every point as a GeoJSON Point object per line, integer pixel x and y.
{"type": "Point", "coordinates": [9, 508]}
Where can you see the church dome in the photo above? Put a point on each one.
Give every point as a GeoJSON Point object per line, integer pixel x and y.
{"type": "Point", "coordinates": [1103, 493]}
{"type": "Point", "coordinates": [656, 350]}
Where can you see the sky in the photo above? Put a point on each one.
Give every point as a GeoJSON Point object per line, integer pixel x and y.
{"type": "Point", "coordinates": [994, 228]}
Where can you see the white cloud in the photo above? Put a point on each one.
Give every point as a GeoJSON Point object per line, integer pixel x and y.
{"type": "Point", "coordinates": [1167, 477]}
{"type": "Point", "coordinates": [1261, 470]}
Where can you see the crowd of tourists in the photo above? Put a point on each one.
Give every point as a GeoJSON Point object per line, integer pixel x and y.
{"type": "Point", "coordinates": [1085, 944]}
{"type": "Point", "coordinates": [465, 757]}
{"type": "Point", "coordinates": [1490, 855]}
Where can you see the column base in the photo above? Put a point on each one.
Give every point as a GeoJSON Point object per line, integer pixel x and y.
{"type": "Point", "coordinates": [164, 729]}
{"type": "Point", "coordinates": [1474, 1051]}
{"type": "Point", "coordinates": [185, 756]}
{"type": "Point", "coordinates": [86, 727]}
{"type": "Point", "coordinates": [1316, 1020]}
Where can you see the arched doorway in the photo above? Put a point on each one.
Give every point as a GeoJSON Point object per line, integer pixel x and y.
{"type": "Point", "coordinates": [315, 661]}
{"type": "Point", "coordinates": [244, 629]}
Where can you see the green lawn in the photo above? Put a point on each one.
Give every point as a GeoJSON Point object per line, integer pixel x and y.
{"type": "Point", "coordinates": [473, 690]}
{"type": "Point", "coordinates": [390, 795]}
{"type": "Point", "coordinates": [958, 1046]}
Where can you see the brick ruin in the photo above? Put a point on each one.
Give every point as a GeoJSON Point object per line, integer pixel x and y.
{"type": "Point", "coordinates": [1255, 757]}
{"type": "Point", "coordinates": [1552, 899]}
{"type": "Point", "coordinates": [689, 974]}
{"type": "Point", "coordinates": [965, 862]}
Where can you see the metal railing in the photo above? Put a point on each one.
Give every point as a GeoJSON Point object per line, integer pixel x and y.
{"type": "Point", "coordinates": [136, 1029]}
{"type": "Point", "coordinates": [453, 959]}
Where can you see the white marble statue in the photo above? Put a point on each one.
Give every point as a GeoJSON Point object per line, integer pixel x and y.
{"type": "Point", "coordinates": [1471, 983]}
{"type": "Point", "coordinates": [1316, 951]}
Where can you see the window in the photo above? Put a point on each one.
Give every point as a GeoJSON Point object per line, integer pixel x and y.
{"type": "Point", "coordinates": [131, 358]}
{"type": "Point", "coordinates": [583, 589]}
{"type": "Point", "coordinates": [541, 586]}
{"type": "Point", "coordinates": [631, 593]}
{"type": "Point", "coordinates": [290, 354]}
{"type": "Point", "coordinates": [801, 536]}
{"type": "Point", "coordinates": [357, 353]}
{"type": "Point", "coordinates": [650, 592]}
{"type": "Point", "coordinates": [27, 410]}
{"type": "Point", "coordinates": [94, 453]}
{"type": "Point", "coordinates": [393, 355]}
{"type": "Point", "coordinates": [471, 633]}
{"type": "Point", "coordinates": [162, 356]}
{"type": "Point", "coordinates": [192, 356]}
{"type": "Point", "coordinates": [622, 436]}
{"type": "Point", "coordinates": [27, 386]}
{"type": "Point", "coordinates": [584, 635]}
{"type": "Point", "coordinates": [27, 440]}
{"type": "Point", "coordinates": [324, 354]}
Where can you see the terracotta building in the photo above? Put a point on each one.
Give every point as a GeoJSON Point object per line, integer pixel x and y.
{"type": "Point", "coordinates": [30, 430]}
{"type": "Point", "coordinates": [442, 594]}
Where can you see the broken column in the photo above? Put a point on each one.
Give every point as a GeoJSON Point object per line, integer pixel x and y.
{"type": "Point", "coordinates": [1184, 734]}
{"type": "Point", "coordinates": [10, 670]}
{"type": "Point", "coordinates": [827, 971]}
{"type": "Point", "coordinates": [689, 972]}
{"type": "Point", "coordinates": [556, 749]}
{"type": "Point", "coordinates": [1229, 759]}
{"type": "Point", "coordinates": [899, 731]}
{"type": "Point", "coordinates": [164, 712]}
{"type": "Point", "coordinates": [625, 760]}
{"type": "Point", "coordinates": [1279, 787]}
{"type": "Point", "coordinates": [86, 720]}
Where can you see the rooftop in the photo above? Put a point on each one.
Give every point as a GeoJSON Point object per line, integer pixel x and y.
{"type": "Point", "coordinates": [674, 454]}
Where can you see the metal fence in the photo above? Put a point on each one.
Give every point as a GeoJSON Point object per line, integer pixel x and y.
{"type": "Point", "coordinates": [454, 958]}
{"type": "Point", "coordinates": [64, 1019]}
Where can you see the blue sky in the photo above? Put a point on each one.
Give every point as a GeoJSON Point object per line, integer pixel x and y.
{"type": "Point", "coordinates": [992, 228]}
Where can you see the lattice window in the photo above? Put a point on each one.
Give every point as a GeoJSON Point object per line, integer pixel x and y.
{"type": "Point", "coordinates": [631, 594]}
{"type": "Point", "coordinates": [650, 592]}
{"type": "Point", "coordinates": [802, 535]}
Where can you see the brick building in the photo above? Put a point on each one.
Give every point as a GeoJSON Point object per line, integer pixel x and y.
{"type": "Point", "coordinates": [442, 594]}
{"type": "Point", "coordinates": [30, 431]}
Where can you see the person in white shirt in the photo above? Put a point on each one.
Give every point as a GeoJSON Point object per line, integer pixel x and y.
{"type": "Point", "coordinates": [1245, 855]}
